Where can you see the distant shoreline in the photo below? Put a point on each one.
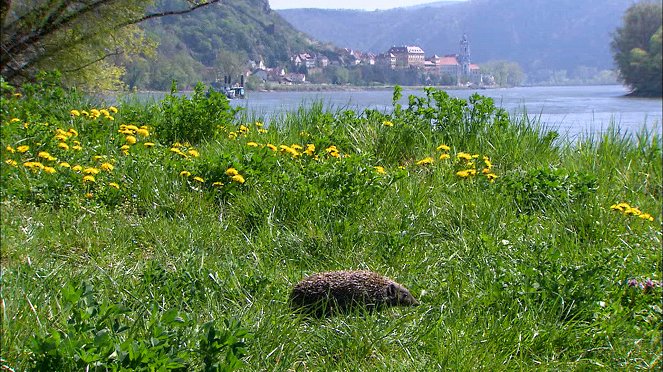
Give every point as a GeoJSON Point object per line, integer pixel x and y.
{"type": "Point", "coordinates": [353, 88]}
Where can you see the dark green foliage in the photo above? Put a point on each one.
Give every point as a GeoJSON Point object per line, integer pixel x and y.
{"type": "Point", "coordinates": [193, 119]}
{"type": "Point", "coordinates": [636, 48]}
{"type": "Point", "coordinates": [548, 189]}
{"type": "Point", "coordinates": [103, 336]}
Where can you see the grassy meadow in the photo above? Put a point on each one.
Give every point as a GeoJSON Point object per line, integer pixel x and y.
{"type": "Point", "coordinates": [167, 235]}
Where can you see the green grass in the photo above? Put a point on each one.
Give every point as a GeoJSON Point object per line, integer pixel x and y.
{"type": "Point", "coordinates": [530, 271]}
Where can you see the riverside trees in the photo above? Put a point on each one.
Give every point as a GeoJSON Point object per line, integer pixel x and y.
{"type": "Point", "coordinates": [636, 48]}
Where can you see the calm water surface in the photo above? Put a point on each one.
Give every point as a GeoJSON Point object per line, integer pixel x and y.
{"type": "Point", "coordinates": [574, 110]}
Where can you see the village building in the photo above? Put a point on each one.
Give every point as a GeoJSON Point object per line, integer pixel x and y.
{"type": "Point", "coordinates": [407, 56]}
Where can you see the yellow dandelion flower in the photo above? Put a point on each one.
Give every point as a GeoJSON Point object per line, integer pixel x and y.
{"type": "Point", "coordinates": [271, 147]}
{"type": "Point", "coordinates": [14, 120]}
{"type": "Point", "coordinates": [217, 184]}
{"type": "Point", "coordinates": [33, 165]}
{"type": "Point", "coordinates": [17, 95]}
{"type": "Point", "coordinates": [23, 148]}
{"type": "Point", "coordinates": [91, 170]}
{"type": "Point", "coordinates": [262, 130]}
{"type": "Point", "coordinates": [252, 144]}
{"type": "Point", "coordinates": [331, 148]}
{"type": "Point", "coordinates": [193, 153]}
{"type": "Point", "coordinates": [63, 146]}
{"type": "Point", "coordinates": [10, 149]}
{"type": "Point", "coordinates": [61, 137]}
{"type": "Point", "coordinates": [131, 140]}
{"type": "Point", "coordinates": [259, 124]}
{"type": "Point", "coordinates": [199, 179]}
{"type": "Point", "coordinates": [113, 109]}
{"type": "Point", "coordinates": [64, 164]}
{"type": "Point", "coordinates": [425, 161]}
{"type": "Point", "coordinates": [178, 152]}
{"type": "Point", "coordinates": [104, 112]}
{"type": "Point", "coordinates": [77, 168]}
{"type": "Point", "coordinates": [114, 185]}
{"type": "Point", "coordinates": [88, 178]}
{"type": "Point", "coordinates": [463, 173]}
{"type": "Point", "coordinates": [94, 112]}
{"type": "Point", "coordinates": [444, 156]}
{"type": "Point", "coordinates": [44, 155]}
{"type": "Point", "coordinates": [125, 147]}
{"type": "Point", "coordinates": [76, 147]}
{"type": "Point", "coordinates": [185, 173]}
{"type": "Point", "coordinates": [243, 128]}
{"type": "Point", "coordinates": [148, 144]}
{"type": "Point", "coordinates": [143, 132]}
{"type": "Point", "coordinates": [232, 135]}
{"type": "Point", "coordinates": [75, 113]}
{"type": "Point", "coordinates": [238, 178]}
{"type": "Point", "coordinates": [11, 162]}
{"type": "Point", "coordinates": [50, 170]}
{"type": "Point", "coordinates": [85, 113]}
{"type": "Point", "coordinates": [388, 123]}
{"type": "Point", "coordinates": [125, 131]}
{"type": "Point", "coordinates": [464, 155]}
{"type": "Point", "coordinates": [379, 169]}
{"type": "Point", "coordinates": [310, 149]}
{"type": "Point", "coordinates": [296, 147]}
{"type": "Point", "coordinates": [633, 211]}
{"type": "Point", "coordinates": [107, 167]}
{"type": "Point", "coordinates": [176, 145]}
{"type": "Point", "coordinates": [491, 177]}
{"type": "Point", "coordinates": [443, 148]}
{"type": "Point", "coordinates": [89, 195]}
{"type": "Point", "coordinates": [231, 172]}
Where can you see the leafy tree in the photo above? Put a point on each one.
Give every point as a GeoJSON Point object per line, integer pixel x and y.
{"type": "Point", "coordinates": [88, 41]}
{"type": "Point", "coordinates": [505, 73]}
{"type": "Point", "coordinates": [636, 48]}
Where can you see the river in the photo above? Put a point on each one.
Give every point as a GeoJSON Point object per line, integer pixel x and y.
{"type": "Point", "coordinates": [571, 110]}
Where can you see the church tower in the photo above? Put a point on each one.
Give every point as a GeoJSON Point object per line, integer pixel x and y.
{"type": "Point", "coordinates": [464, 56]}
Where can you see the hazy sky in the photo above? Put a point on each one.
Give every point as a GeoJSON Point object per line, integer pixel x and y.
{"type": "Point", "coordinates": [346, 4]}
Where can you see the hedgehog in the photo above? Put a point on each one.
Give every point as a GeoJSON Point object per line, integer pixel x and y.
{"type": "Point", "coordinates": [340, 291]}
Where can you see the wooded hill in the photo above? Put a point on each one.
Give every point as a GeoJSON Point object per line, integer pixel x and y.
{"type": "Point", "coordinates": [216, 40]}
{"type": "Point", "coordinates": [537, 34]}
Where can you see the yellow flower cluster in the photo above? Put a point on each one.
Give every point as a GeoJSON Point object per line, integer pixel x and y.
{"type": "Point", "coordinates": [466, 163]}
{"type": "Point", "coordinates": [184, 150]}
{"type": "Point", "coordinates": [295, 150]}
{"type": "Point", "coordinates": [244, 130]}
{"type": "Point", "coordinates": [94, 113]}
{"type": "Point", "coordinates": [232, 173]}
{"type": "Point", "coordinates": [628, 210]}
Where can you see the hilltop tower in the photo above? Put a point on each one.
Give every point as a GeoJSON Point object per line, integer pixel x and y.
{"type": "Point", "coordinates": [464, 56]}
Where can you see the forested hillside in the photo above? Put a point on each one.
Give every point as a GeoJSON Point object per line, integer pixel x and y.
{"type": "Point", "coordinates": [217, 40]}
{"type": "Point", "coordinates": [538, 34]}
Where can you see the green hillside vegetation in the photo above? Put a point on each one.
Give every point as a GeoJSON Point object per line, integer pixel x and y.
{"type": "Point", "coordinates": [168, 235]}
{"type": "Point", "coordinates": [216, 41]}
{"type": "Point", "coordinates": [552, 40]}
